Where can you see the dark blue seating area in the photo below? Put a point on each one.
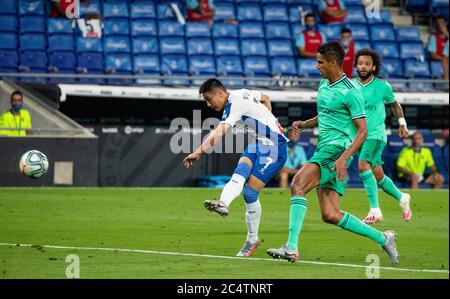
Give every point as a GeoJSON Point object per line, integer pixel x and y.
{"type": "Point", "coordinates": [266, 34]}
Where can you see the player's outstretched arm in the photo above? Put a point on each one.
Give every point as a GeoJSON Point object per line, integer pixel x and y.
{"type": "Point", "coordinates": [361, 135]}
{"type": "Point", "coordinates": [265, 100]}
{"type": "Point", "coordinates": [299, 125]}
{"type": "Point", "coordinates": [397, 110]}
{"type": "Point", "coordinates": [209, 142]}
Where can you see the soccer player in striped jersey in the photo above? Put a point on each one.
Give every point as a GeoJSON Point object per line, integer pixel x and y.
{"type": "Point", "coordinates": [376, 93]}
{"type": "Point", "coordinates": [342, 131]}
{"type": "Point", "coordinates": [261, 160]}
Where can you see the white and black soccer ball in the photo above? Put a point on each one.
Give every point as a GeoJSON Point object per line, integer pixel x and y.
{"type": "Point", "coordinates": [33, 164]}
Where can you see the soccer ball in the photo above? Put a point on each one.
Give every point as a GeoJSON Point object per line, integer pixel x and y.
{"type": "Point", "coordinates": [33, 164]}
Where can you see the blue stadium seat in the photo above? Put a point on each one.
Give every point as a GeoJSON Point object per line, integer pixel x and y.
{"type": "Point", "coordinates": [143, 27]}
{"type": "Point", "coordinates": [395, 144]}
{"type": "Point", "coordinates": [417, 5]}
{"type": "Point", "coordinates": [91, 61]}
{"type": "Point", "coordinates": [285, 66]}
{"type": "Point", "coordinates": [164, 11]}
{"type": "Point", "coordinates": [408, 33]}
{"type": "Point", "coordinates": [356, 14]}
{"type": "Point", "coordinates": [116, 27]}
{"type": "Point", "coordinates": [90, 7]}
{"type": "Point", "coordinates": [115, 10]}
{"type": "Point", "coordinates": [416, 69]}
{"type": "Point", "coordinates": [445, 155]}
{"type": "Point", "coordinates": [173, 64]}
{"type": "Point", "coordinates": [392, 68]}
{"type": "Point", "coordinates": [387, 49]}
{"type": "Point", "coordinates": [331, 31]}
{"type": "Point", "coordinates": [92, 80]}
{"type": "Point", "coordinates": [59, 26]}
{"type": "Point", "coordinates": [118, 62]}
{"type": "Point", "coordinates": [224, 30]}
{"type": "Point", "coordinates": [172, 45]}
{"type": "Point", "coordinates": [249, 12]}
{"type": "Point", "coordinates": [33, 41]}
{"type": "Point", "coordinates": [197, 29]}
{"type": "Point", "coordinates": [256, 65]}
{"type": "Point", "coordinates": [353, 2]}
{"type": "Point", "coordinates": [202, 65]}
{"type": "Point", "coordinates": [63, 60]}
{"type": "Point", "coordinates": [226, 46]}
{"type": "Point", "coordinates": [8, 7]}
{"type": "Point", "coordinates": [32, 7]}
{"type": "Point", "coordinates": [89, 45]}
{"type": "Point", "coordinates": [275, 12]}
{"type": "Point", "coordinates": [382, 32]}
{"type": "Point", "coordinates": [70, 79]}
{"type": "Point", "coordinates": [307, 68]}
{"type": "Point", "coordinates": [296, 11]}
{"type": "Point", "coordinates": [144, 10]}
{"type": "Point", "coordinates": [34, 79]}
{"type": "Point", "coordinates": [436, 69]}
{"type": "Point", "coordinates": [412, 51]}
{"type": "Point", "coordinates": [360, 44]}
{"type": "Point", "coordinates": [229, 65]}
{"type": "Point", "coordinates": [170, 28]}
{"type": "Point", "coordinates": [359, 31]}
{"type": "Point", "coordinates": [278, 30]}
{"type": "Point", "coordinates": [301, 1]}
{"type": "Point", "coordinates": [145, 45]}
{"type": "Point", "coordinates": [116, 44]}
{"type": "Point", "coordinates": [383, 18]}
{"type": "Point", "coordinates": [270, 1]}
{"type": "Point", "coordinates": [32, 24]}
{"type": "Point", "coordinates": [61, 42]}
{"type": "Point", "coordinates": [279, 48]}
{"type": "Point", "coordinates": [200, 46]}
{"type": "Point", "coordinates": [147, 63]}
{"type": "Point", "coordinates": [240, 1]}
{"type": "Point", "coordinates": [251, 30]}
{"type": "Point", "coordinates": [224, 11]}
{"type": "Point", "coordinates": [8, 59]}
{"type": "Point", "coordinates": [297, 29]}
{"type": "Point", "coordinates": [253, 47]}
{"type": "Point", "coordinates": [439, 7]}
{"type": "Point", "coordinates": [34, 60]}
{"type": "Point", "coordinates": [8, 23]}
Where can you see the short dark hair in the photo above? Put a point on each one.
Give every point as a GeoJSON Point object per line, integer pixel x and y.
{"type": "Point", "coordinates": [376, 59]}
{"type": "Point", "coordinates": [308, 15]}
{"type": "Point", "coordinates": [332, 50]}
{"type": "Point", "coordinates": [346, 30]}
{"type": "Point", "coordinates": [439, 17]}
{"type": "Point", "coordinates": [210, 85]}
{"type": "Point", "coordinates": [16, 92]}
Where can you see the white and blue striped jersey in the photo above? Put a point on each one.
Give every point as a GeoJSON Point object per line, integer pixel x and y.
{"type": "Point", "coordinates": [244, 107]}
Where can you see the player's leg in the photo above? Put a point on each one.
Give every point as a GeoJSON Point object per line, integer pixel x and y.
{"type": "Point", "coordinates": [307, 178]}
{"type": "Point", "coordinates": [388, 186]}
{"type": "Point", "coordinates": [329, 207]}
{"type": "Point", "coordinates": [233, 188]}
{"type": "Point", "coordinates": [367, 158]}
{"type": "Point", "coordinates": [436, 180]}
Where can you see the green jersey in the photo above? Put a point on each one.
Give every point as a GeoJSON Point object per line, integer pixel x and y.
{"type": "Point", "coordinates": [376, 94]}
{"type": "Point", "coordinates": [337, 105]}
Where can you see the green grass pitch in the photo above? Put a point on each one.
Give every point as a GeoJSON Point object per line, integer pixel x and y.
{"type": "Point", "coordinates": [174, 220]}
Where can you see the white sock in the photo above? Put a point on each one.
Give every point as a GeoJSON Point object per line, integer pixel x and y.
{"type": "Point", "coordinates": [252, 217]}
{"type": "Point", "coordinates": [232, 189]}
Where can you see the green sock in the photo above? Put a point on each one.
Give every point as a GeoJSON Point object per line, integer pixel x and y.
{"type": "Point", "coordinates": [296, 216]}
{"type": "Point", "coordinates": [389, 187]}
{"type": "Point", "coordinates": [354, 225]}
{"type": "Point", "coordinates": [370, 184]}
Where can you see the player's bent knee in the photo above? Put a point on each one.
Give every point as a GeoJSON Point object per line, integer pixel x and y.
{"type": "Point", "coordinates": [363, 166]}
{"type": "Point", "coordinates": [250, 194]}
{"type": "Point", "coordinates": [331, 217]}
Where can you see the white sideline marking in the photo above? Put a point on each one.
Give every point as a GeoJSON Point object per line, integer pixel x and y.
{"type": "Point", "coordinates": [225, 257]}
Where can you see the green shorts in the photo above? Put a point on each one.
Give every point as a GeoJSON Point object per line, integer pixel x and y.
{"type": "Point", "coordinates": [371, 151]}
{"type": "Point", "coordinates": [325, 158]}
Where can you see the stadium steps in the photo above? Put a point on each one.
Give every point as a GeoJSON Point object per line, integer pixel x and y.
{"type": "Point", "coordinates": [401, 19]}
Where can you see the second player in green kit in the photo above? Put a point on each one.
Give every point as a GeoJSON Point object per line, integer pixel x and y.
{"type": "Point", "coordinates": [377, 93]}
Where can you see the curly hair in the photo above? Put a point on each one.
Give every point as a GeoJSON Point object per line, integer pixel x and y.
{"type": "Point", "coordinates": [376, 59]}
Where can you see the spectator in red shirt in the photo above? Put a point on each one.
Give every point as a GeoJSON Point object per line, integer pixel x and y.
{"type": "Point", "coordinates": [332, 11]}
{"type": "Point", "coordinates": [310, 39]}
{"type": "Point", "coordinates": [349, 47]}
{"type": "Point", "coordinates": [437, 43]}
{"type": "Point", "coordinates": [201, 11]}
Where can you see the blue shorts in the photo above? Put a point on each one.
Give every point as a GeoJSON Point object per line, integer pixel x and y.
{"type": "Point", "coordinates": [267, 159]}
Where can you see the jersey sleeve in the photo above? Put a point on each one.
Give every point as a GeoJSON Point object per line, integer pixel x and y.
{"type": "Point", "coordinates": [232, 113]}
{"type": "Point", "coordinates": [432, 44]}
{"type": "Point", "coordinates": [355, 103]}
{"type": "Point", "coordinates": [321, 5]}
{"type": "Point", "coordinates": [300, 41]}
{"type": "Point", "coordinates": [388, 95]}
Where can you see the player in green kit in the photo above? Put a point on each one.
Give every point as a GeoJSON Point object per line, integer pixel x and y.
{"type": "Point", "coordinates": [376, 94]}
{"type": "Point", "coordinates": [342, 131]}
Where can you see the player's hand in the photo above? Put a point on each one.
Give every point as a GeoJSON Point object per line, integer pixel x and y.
{"type": "Point", "coordinates": [297, 126]}
{"type": "Point", "coordinates": [341, 169]}
{"type": "Point", "coordinates": [403, 132]}
{"type": "Point", "coordinates": [189, 160]}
